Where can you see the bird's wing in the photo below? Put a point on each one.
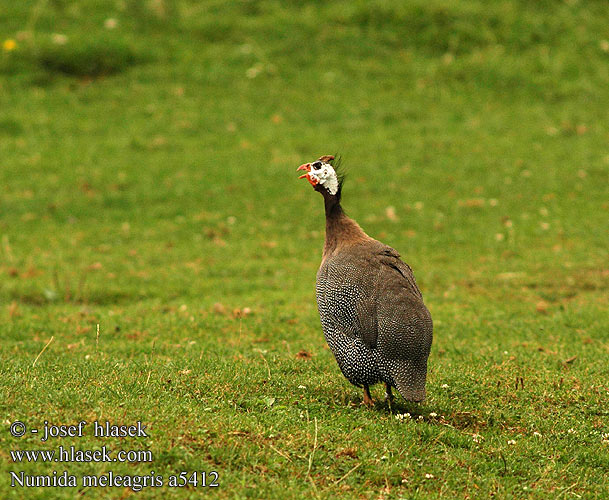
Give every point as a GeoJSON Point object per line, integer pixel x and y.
{"type": "Point", "coordinates": [390, 259]}
{"type": "Point", "coordinates": [391, 301]}
{"type": "Point", "coordinates": [361, 282]}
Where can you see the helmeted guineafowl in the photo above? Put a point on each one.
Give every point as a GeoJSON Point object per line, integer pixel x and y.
{"type": "Point", "coordinates": [371, 309]}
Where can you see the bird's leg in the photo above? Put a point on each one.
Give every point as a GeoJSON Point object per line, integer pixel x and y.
{"type": "Point", "coordinates": [367, 397]}
{"type": "Point", "coordinates": [388, 395]}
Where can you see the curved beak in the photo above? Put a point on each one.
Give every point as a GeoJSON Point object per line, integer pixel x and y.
{"type": "Point", "coordinates": [306, 167]}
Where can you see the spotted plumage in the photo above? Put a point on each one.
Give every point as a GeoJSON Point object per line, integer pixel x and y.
{"type": "Point", "coordinates": [371, 309]}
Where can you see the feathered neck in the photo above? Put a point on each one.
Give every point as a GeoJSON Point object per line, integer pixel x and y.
{"type": "Point", "coordinates": [341, 230]}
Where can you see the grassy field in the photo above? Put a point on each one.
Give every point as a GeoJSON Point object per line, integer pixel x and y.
{"type": "Point", "coordinates": [147, 185]}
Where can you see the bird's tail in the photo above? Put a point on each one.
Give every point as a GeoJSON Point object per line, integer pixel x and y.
{"type": "Point", "coordinates": [410, 380]}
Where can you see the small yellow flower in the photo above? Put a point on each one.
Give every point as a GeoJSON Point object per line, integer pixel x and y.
{"type": "Point", "coordinates": [9, 45]}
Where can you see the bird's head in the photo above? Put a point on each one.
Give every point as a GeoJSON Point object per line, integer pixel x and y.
{"type": "Point", "coordinates": [322, 175]}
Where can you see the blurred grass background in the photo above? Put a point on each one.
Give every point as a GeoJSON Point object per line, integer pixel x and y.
{"type": "Point", "coordinates": [147, 165]}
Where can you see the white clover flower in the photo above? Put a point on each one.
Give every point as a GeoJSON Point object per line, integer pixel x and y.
{"type": "Point", "coordinates": [429, 476]}
{"type": "Point", "coordinates": [511, 442]}
{"type": "Point", "coordinates": [433, 414]}
{"type": "Point", "coordinates": [444, 386]}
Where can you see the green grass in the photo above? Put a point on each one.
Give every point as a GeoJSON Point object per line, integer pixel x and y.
{"type": "Point", "coordinates": [148, 185]}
